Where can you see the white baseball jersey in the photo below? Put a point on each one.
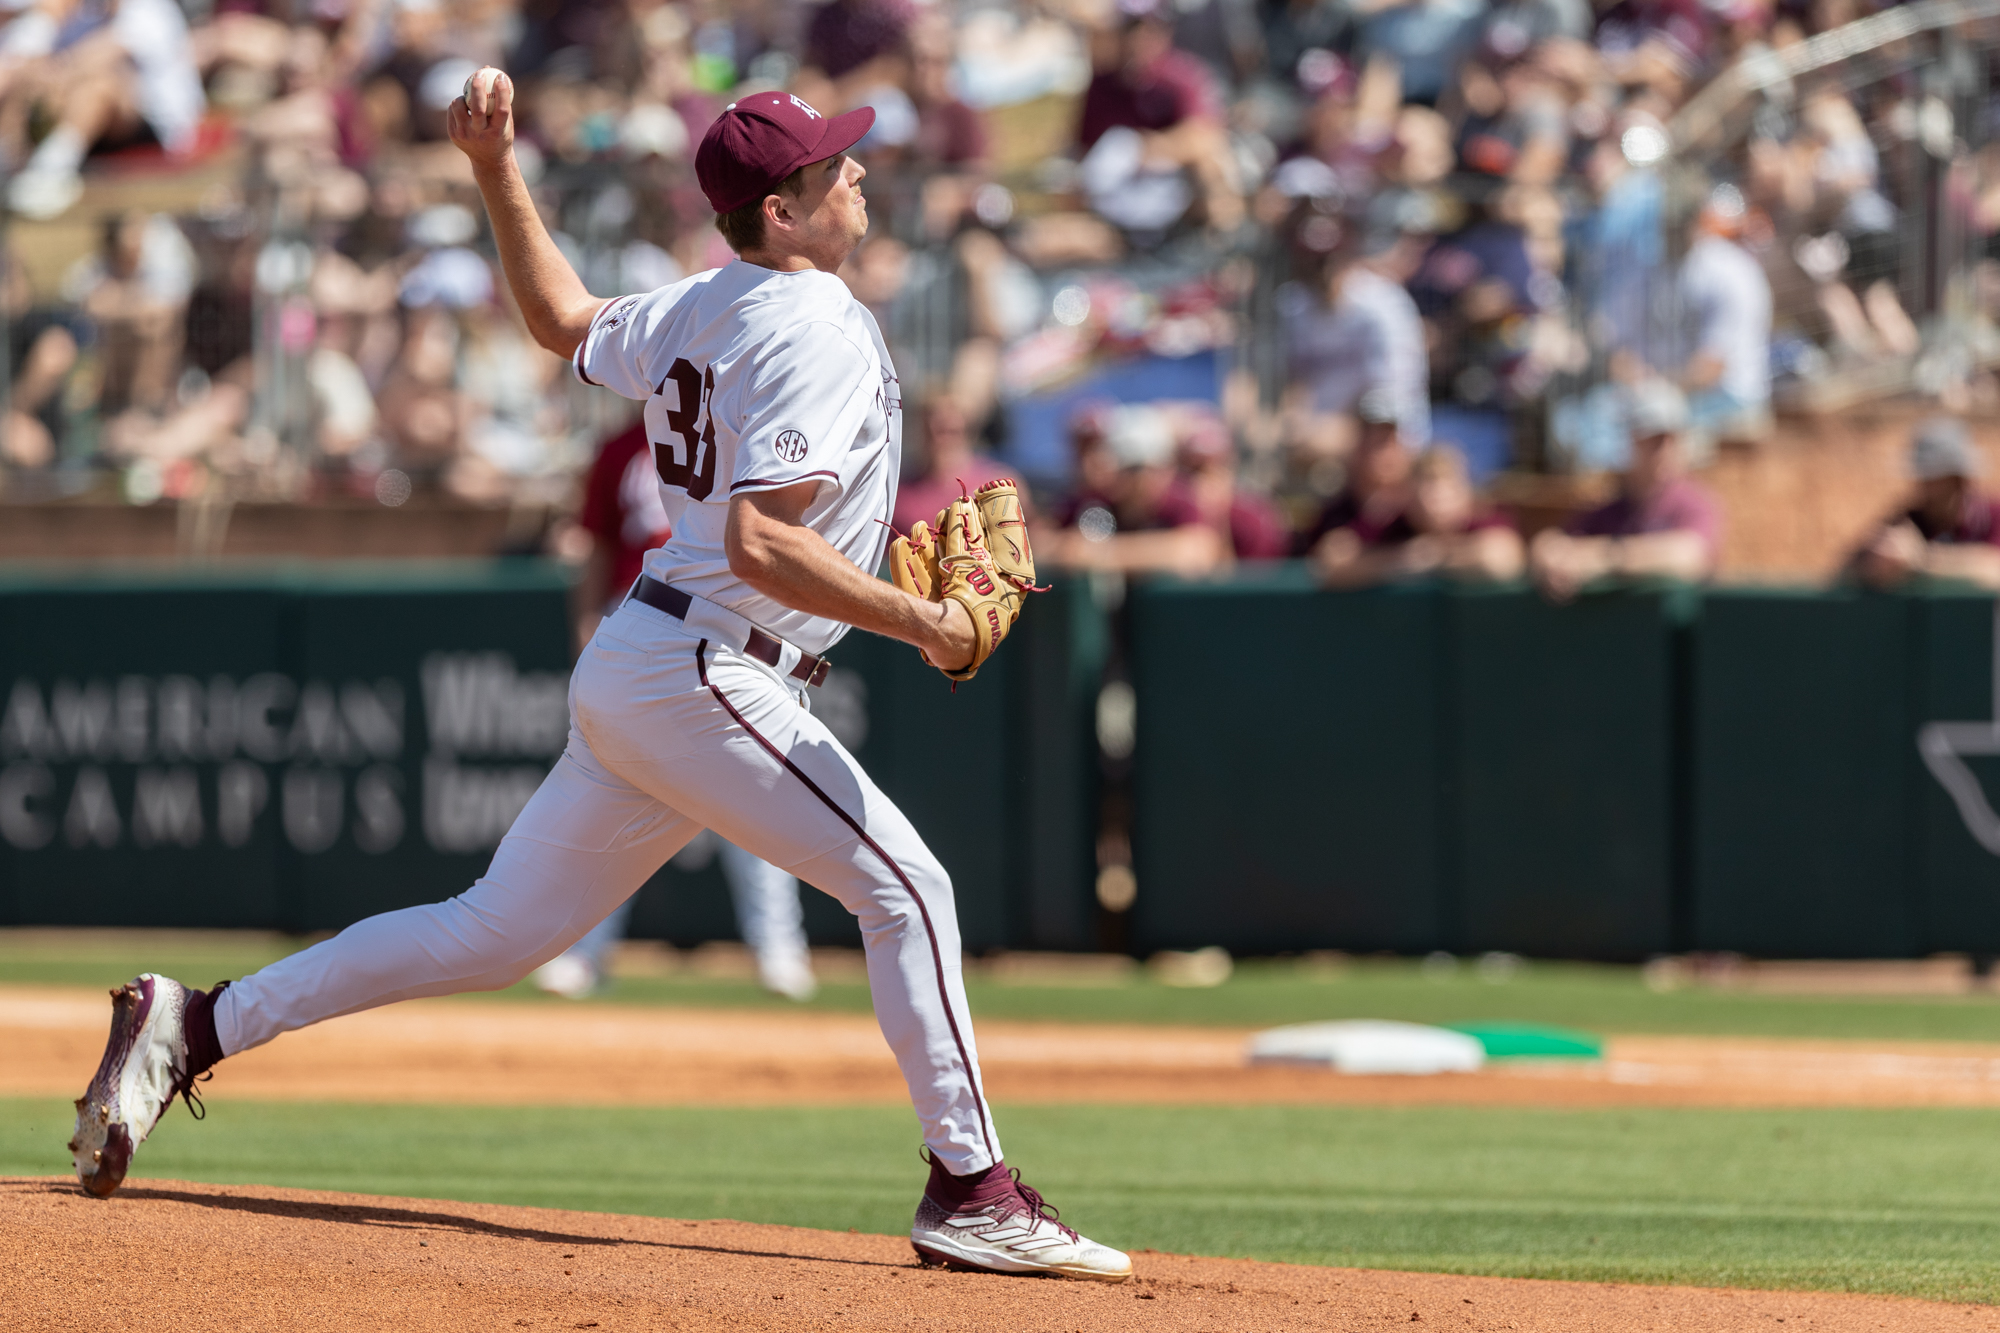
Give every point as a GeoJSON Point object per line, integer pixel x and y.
{"type": "Point", "coordinates": [754, 380]}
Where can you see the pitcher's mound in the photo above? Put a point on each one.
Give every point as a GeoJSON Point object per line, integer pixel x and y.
{"type": "Point", "coordinates": [252, 1257]}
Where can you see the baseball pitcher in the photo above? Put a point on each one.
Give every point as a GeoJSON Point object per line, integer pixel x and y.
{"type": "Point", "coordinates": [776, 429]}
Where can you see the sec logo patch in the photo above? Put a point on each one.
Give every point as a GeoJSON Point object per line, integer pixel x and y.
{"type": "Point", "coordinates": [790, 446]}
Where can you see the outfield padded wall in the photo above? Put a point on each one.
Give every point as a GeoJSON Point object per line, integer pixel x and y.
{"type": "Point", "coordinates": [1561, 785]}
{"type": "Point", "coordinates": [1956, 881]}
{"type": "Point", "coordinates": [287, 749]}
{"type": "Point", "coordinates": [296, 748]}
{"type": "Point", "coordinates": [1287, 775]}
{"type": "Point", "coordinates": [1639, 771]}
{"type": "Point", "coordinates": [1818, 831]}
{"type": "Point", "coordinates": [1404, 769]}
{"type": "Point", "coordinates": [1805, 774]}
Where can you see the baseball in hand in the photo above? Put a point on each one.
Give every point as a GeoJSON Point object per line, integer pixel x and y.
{"type": "Point", "coordinates": [485, 77]}
{"type": "Point", "coordinates": [488, 98]}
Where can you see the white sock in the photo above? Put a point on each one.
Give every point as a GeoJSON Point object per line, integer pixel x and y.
{"type": "Point", "coordinates": [60, 154]}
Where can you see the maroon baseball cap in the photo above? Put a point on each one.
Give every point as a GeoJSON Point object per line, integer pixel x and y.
{"type": "Point", "coordinates": [757, 142]}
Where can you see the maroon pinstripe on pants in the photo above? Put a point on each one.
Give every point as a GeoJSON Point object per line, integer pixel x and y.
{"type": "Point", "coordinates": [930, 932]}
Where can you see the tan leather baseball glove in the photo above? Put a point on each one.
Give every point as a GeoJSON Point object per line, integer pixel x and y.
{"type": "Point", "coordinates": [978, 556]}
{"type": "Point", "coordinates": [913, 565]}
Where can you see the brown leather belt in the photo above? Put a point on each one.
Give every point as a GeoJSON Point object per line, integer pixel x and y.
{"type": "Point", "coordinates": [764, 647]}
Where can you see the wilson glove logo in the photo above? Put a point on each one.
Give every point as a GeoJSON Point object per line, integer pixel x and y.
{"type": "Point", "coordinates": [979, 581]}
{"type": "Point", "coordinates": [790, 446]}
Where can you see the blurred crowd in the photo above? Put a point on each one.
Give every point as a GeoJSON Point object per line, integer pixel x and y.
{"type": "Point", "coordinates": [1403, 246]}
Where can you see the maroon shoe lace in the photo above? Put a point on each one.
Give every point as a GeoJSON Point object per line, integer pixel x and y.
{"type": "Point", "coordinates": [1039, 1207]}
{"type": "Point", "coordinates": [184, 1085]}
{"type": "Point", "coordinates": [191, 1099]}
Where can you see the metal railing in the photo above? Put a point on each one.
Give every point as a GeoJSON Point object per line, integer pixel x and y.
{"type": "Point", "coordinates": [1863, 308]}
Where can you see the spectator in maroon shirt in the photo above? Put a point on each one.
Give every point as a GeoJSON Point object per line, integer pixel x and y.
{"type": "Point", "coordinates": [1661, 525]}
{"type": "Point", "coordinates": [1150, 114]}
{"type": "Point", "coordinates": [1378, 476]}
{"type": "Point", "coordinates": [1150, 87]}
{"type": "Point", "coordinates": [949, 461]}
{"type": "Point", "coordinates": [1128, 514]}
{"type": "Point", "coordinates": [929, 148]}
{"type": "Point", "coordinates": [1099, 483]}
{"type": "Point", "coordinates": [1949, 530]}
{"type": "Point", "coordinates": [1205, 492]}
{"type": "Point", "coordinates": [1442, 530]}
{"type": "Point", "coordinates": [951, 136]}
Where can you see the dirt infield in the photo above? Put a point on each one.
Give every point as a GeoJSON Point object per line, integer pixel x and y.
{"type": "Point", "coordinates": [253, 1257]}
{"type": "Point", "coordinates": [531, 1054]}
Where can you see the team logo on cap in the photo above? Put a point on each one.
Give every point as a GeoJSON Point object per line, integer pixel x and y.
{"type": "Point", "coordinates": [791, 446]}
{"type": "Point", "coordinates": [803, 107]}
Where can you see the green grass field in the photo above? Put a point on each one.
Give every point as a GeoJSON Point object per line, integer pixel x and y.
{"type": "Point", "coordinates": [1595, 998]}
{"type": "Point", "coordinates": [1847, 1200]}
{"type": "Point", "coordinates": [1893, 1201]}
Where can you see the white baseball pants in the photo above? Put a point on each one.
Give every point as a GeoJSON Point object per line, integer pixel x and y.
{"type": "Point", "coordinates": [669, 734]}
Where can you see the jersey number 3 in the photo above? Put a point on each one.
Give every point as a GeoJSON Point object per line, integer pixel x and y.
{"type": "Point", "coordinates": [697, 475]}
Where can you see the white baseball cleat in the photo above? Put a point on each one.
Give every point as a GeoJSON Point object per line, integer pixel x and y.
{"type": "Point", "coordinates": [145, 1066]}
{"type": "Point", "coordinates": [789, 975]}
{"type": "Point", "coordinates": [1017, 1234]}
{"type": "Point", "coordinates": [568, 975]}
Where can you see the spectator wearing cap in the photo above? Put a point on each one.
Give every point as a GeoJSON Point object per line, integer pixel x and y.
{"type": "Point", "coordinates": [1662, 524]}
{"type": "Point", "coordinates": [1442, 530]}
{"type": "Point", "coordinates": [950, 462]}
{"type": "Point", "coordinates": [135, 291]}
{"type": "Point", "coordinates": [1378, 476]}
{"type": "Point", "coordinates": [1125, 517]}
{"type": "Point", "coordinates": [1096, 481]}
{"type": "Point", "coordinates": [1206, 492]}
{"type": "Point", "coordinates": [1725, 298]}
{"type": "Point", "coordinates": [1493, 302]}
{"type": "Point", "coordinates": [1950, 529]}
{"type": "Point", "coordinates": [1152, 121]}
{"type": "Point", "coordinates": [1355, 332]}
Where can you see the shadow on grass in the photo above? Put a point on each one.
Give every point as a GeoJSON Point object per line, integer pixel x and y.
{"type": "Point", "coordinates": [416, 1219]}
